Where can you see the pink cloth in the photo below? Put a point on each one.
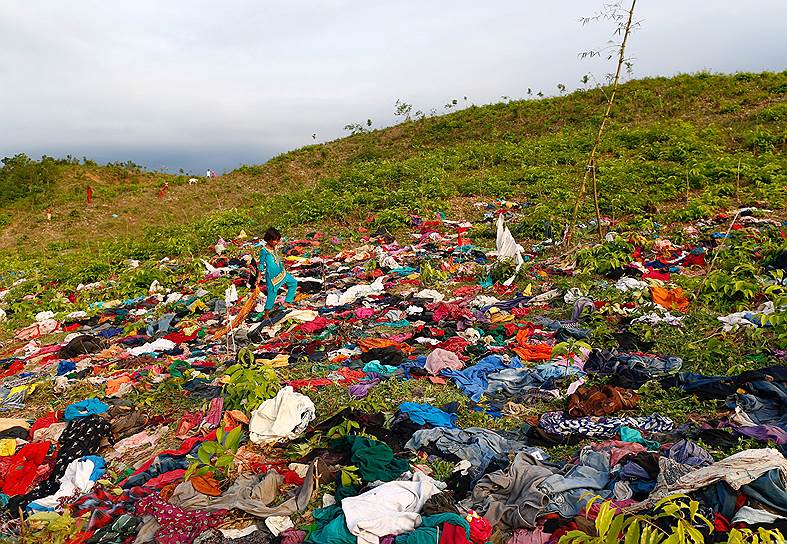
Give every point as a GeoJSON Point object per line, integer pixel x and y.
{"type": "Point", "coordinates": [213, 417]}
{"type": "Point", "coordinates": [618, 449]}
{"type": "Point", "coordinates": [526, 536]}
{"type": "Point", "coordinates": [292, 536]}
{"type": "Point", "coordinates": [441, 359]}
{"type": "Point", "coordinates": [363, 313]}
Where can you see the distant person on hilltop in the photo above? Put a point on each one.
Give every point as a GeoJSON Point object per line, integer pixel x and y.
{"type": "Point", "coordinates": [89, 194]}
{"type": "Point", "coordinates": [272, 269]}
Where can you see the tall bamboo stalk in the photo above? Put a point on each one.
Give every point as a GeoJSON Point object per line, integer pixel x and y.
{"type": "Point", "coordinates": [590, 169]}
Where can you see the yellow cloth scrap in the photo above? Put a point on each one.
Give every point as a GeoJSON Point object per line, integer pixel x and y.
{"type": "Point", "coordinates": [7, 446]}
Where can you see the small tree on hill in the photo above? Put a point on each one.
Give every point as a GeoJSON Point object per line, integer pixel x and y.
{"type": "Point", "coordinates": [624, 20]}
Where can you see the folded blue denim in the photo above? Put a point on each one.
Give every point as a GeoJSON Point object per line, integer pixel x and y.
{"type": "Point", "coordinates": [769, 489]}
{"type": "Point", "coordinates": [479, 446]}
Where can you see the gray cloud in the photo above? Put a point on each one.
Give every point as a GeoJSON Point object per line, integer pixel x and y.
{"type": "Point", "coordinates": [205, 84]}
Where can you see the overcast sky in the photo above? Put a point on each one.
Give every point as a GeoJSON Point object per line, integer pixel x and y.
{"type": "Point", "coordinates": [197, 84]}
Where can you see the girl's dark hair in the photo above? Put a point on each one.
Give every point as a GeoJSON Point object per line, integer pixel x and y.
{"type": "Point", "coordinates": [271, 234]}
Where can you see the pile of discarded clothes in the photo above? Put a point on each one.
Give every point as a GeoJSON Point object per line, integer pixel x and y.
{"type": "Point", "coordinates": [426, 310]}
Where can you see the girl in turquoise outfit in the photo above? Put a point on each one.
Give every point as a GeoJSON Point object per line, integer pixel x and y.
{"type": "Point", "coordinates": [272, 269]}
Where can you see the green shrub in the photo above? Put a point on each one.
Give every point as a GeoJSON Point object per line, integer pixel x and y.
{"type": "Point", "coordinates": [21, 177]}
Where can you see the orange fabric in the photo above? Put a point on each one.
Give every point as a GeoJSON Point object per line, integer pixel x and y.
{"type": "Point", "coordinates": [534, 352]}
{"type": "Point", "coordinates": [232, 418]}
{"type": "Point", "coordinates": [206, 484]}
{"type": "Point", "coordinates": [168, 490]}
{"type": "Point", "coordinates": [670, 299]}
{"type": "Point", "coordinates": [245, 310]}
{"type": "Point", "coordinates": [371, 343]}
{"type": "Point", "coordinates": [523, 336]}
{"type": "Point", "coordinates": [113, 385]}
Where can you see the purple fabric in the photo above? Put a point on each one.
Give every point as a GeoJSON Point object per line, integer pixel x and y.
{"type": "Point", "coordinates": [361, 390]}
{"type": "Point", "coordinates": [687, 452]}
{"type": "Point", "coordinates": [292, 536]}
{"type": "Point", "coordinates": [632, 471]}
{"type": "Point", "coordinates": [764, 433]}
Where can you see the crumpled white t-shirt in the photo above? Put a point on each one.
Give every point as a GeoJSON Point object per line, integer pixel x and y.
{"type": "Point", "coordinates": [283, 417]}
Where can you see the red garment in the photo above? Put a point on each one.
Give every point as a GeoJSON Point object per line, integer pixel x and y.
{"type": "Point", "coordinates": [22, 469]}
{"type": "Point", "coordinates": [721, 524]}
{"type": "Point", "coordinates": [657, 275]}
{"type": "Point", "coordinates": [291, 477]}
{"type": "Point", "coordinates": [452, 311]}
{"type": "Point", "coordinates": [316, 325]}
{"type": "Point", "coordinates": [12, 369]}
{"type": "Point", "coordinates": [457, 344]}
{"type": "Point", "coordinates": [480, 530]}
{"type": "Point", "coordinates": [89, 194]}
{"type": "Point", "coordinates": [44, 422]}
{"type": "Point", "coordinates": [467, 290]}
{"type": "Point", "coordinates": [177, 526]}
{"type": "Point", "coordinates": [430, 226]}
{"type": "Point", "coordinates": [188, 421]}
{"type": "Point", "coordinates": [316, 382]}
{"type": "Point", "coordinates": [351, 376]}
{"type": "Point", "coordinates": [185, 447]}
{"type": "Point", "coordinates": [563, 529]}
{"type": "Point", "coordinates": [692, 259]}
{"type": "Point", "coordinates": [511, 329]}
{"type": "Point", "coordinates": [179, 337]}
{"type": "Point", "coordinates": [501, 289]}
{"type": "Point", "coordinates": [453, 534]}
{"type": "Point", "coordinates": [165, 479]}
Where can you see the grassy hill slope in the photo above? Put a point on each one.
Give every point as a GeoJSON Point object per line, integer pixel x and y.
{"type": "Point", "coordinates": [677, 149]}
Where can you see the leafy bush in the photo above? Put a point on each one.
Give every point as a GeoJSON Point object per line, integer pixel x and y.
{"type": "Point", "coordinates": [676, 520]}
{"type": "Point", "coordinates": [249, 387]}
{"type": "Point", "coordinates": [216, 456]}
{"type": "Point", "coordinates": [763, 141]}
{"type": "Point", "coordinates": [21, 177]}
{"type": "Point", "coordinates": [607, 256]}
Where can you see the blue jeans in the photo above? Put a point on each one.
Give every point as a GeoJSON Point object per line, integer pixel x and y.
{"type": "Point", "coordinates": [289, 281]}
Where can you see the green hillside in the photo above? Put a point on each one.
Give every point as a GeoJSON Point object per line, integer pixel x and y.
{"type": "Point", "coordinates": [677, 149]}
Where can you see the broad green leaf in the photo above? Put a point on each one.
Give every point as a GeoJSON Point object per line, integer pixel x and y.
{"type": "Point", "coordinates": [615, 528]}
{"type": "Point", "coordinates": [694, 534]}
{"type": "Point", "coordinates": [204, 455]}
{"type": "Point", "coordinates": [632, 534]}
{"type": "Point", "coordinates": [224, 461]}
{"type": "Point", "coordinates": [211, 448]}
{"type": "Point", "coordinates": [234, 438]}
